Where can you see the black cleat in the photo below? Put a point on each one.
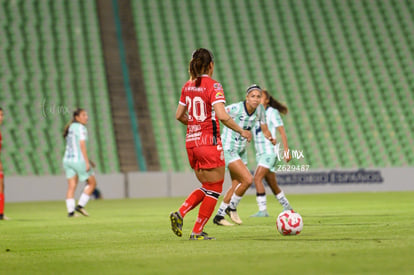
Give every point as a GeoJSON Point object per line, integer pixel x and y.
{"type": "Point", "coordinates": [81, 210]}
{"type": "Point", "coordinates": [72, 215]}
{"type": "Point", "coordinates": [220, 220]}
{"type": "Point", "coordinates": [176, 223]}
{"type": "Point", "coordinates": [200, 237]}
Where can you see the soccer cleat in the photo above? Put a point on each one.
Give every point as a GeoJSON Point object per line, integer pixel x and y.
{"type": "Point", "coordinates": [201, 236]}
{"type": "Point", "coordinates": [4, 217]}
{"type": "Point", "coordinates": [176, 223]}
{"type": "Point", "coordinates": [72, 215]}
{"type": "Point", "coordinates": [233, 215]}
{"type": "Point", "coordinates": [82, 210]}
{"type": "Point", "coordinates": [220, 220]}
{"type": "Point", "coordinates": [260, 214]}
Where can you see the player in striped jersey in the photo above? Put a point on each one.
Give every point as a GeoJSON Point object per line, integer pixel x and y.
{"type": "Point", "coordinates": [2, 216]}
{"type": "Point", "coordinates": [267, 154]}
{"type": "Point", "coordinates": [246, 114]}
{"type": "Point", "coordinates": [76, 162]}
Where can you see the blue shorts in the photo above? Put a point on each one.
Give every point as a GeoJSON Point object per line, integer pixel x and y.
{"type": "Point", "coordinates": [77, 168]}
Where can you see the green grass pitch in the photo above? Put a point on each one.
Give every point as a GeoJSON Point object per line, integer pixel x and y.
{"type": "Point", "coordinates": [352, 233]}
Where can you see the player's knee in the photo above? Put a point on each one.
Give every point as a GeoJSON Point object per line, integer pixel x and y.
{"type": "Point", "coordinates": [92, 182]}
{"type": "Point", "coordinates": [214, 186]}
{"type": "Point", "coordinates": [249, 180]}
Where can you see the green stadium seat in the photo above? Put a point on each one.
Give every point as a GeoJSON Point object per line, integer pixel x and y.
{"type": "Point", "coordinates": [39, 36]}
{"type": "Point", "coordinates": [302, 58]}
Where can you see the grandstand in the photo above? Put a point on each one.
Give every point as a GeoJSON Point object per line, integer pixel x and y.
{"type": "Point", "coordinates": [344, 68]}
{"type": "Point", "coordinates": [52, 62]}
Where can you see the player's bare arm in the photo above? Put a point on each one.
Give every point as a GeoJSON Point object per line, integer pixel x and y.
{"type": "Point", "coordinates": [282, 132]}
{"type": "Point", "coordinates": [85, 154]}
{"type": "Point", "coordinates": [181, 114]}
{"type": "Point", "coordinates": [267, 134]}
{"type": "Point", "coordinates": [224, 117]}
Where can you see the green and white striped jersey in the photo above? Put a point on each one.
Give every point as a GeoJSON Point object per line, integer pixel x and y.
{"type": "Point", "coordinates": [232, 140]}
{"type": "Point", "coordinates": [77, 132]}
{"type": "Point", "coordinates": [262, 144]}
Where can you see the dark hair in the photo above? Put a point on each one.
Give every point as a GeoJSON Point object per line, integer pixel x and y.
{"type": "Point", "coordinates": [75, 114]}
{"type": "Point", "coordinates": [1, 109]}
{"type": "Point", "coordinates": [200, 61]}
{"type": "Point", "coordinates": [282, 108]}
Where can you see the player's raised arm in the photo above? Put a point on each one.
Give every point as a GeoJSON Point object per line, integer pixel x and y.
{"type": "Point", "coordinates": [224, 117]}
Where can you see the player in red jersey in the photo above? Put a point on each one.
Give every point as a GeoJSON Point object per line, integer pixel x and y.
{"type": "Point", "coordinates": [201, 106]}
{"type": "Point", "coordinates": [2, 217]}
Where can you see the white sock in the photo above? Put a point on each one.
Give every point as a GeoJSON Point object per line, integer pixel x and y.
{"type": "Point", "coordinates": [234, 202]}
{"type": "Point", "coordinates": [280, 195]}
{"type": "Point", "coordinates": [222, 209]}
{"type": "Point", "coordinates": [70, 205]}
{"type": "Point", "coordinates": [283, 201]}
{"type": "Point", "coordinates": [83, 200]}
{"type": "Point", "coordinates": [261, 202]}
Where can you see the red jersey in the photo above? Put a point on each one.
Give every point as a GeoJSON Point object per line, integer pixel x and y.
{"type": "Point", "coordinates": [203, 127]}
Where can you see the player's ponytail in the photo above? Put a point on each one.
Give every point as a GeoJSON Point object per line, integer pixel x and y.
{"type": "Point", "coordinates": [73, 119]}
{"type": "Point", "coordinates": [274, 103]}
{"type": "Point", "coordinates": [199, 64]}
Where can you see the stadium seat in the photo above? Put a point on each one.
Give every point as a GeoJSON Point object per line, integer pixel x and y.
{"type": "Point", "coordinates": [323, 58]}
{"type": "Point", "coordinates": [54, 61]}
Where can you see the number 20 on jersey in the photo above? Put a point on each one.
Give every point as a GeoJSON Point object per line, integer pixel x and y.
{"type": "Point", "coordinates": [196, 108]}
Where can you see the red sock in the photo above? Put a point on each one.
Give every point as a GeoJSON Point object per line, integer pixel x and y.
{"type": "Point", "coordinates": [1, 203]}
{"type": "Point", "coordinates": [192, 201]}
{"type": "Point", "coordinates": [212, 191]}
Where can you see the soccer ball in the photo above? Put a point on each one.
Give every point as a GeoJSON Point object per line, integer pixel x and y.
{"type": "Point", "coordinates": [289, 223]}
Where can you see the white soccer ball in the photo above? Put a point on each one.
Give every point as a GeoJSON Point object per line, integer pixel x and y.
{"type": "Point", "coordinates": [289, 223]}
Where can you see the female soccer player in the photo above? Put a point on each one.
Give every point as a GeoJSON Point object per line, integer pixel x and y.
{"type": "Point", "coordinates": [246, 114]}
{"type": "Point", "coordinates": [76, 162]}
{"type": "Point", "coordinates": [199, 96]}
{"type": "Point", "coordinates": [266, 154]}
{"type": "Point", "coordinates": [2, 216]}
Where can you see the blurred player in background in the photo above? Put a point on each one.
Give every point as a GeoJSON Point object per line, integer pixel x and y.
{"type": "Point", "coordinates": [2, 216]}
{"type": "Point", "coordinates": [199, 96]}
{"type": "Point", "coordinates": [246, 114]}
{"type": "Point", "coordinates": [76, 163]}
{"type": "Point", "coordinates": [267, 154]}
